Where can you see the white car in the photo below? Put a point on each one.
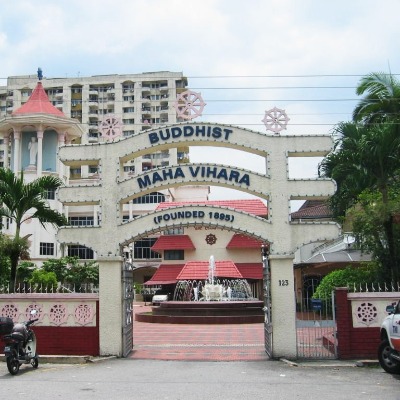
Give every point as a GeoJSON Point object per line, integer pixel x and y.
{"type": "Point", "coordinates": [389, 349]}
{"type": "Point", "coordinates": [159, 298]}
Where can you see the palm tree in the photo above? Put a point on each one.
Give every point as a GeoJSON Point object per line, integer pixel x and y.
{"type": "Point", "coordinates": [367, 154]}
{"type": "Point", "coordinates": [17, 199]}
{"type": "Point", "coordinates": [382, 100]}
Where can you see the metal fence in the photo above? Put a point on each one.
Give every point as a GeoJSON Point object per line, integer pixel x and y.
{"type": "Point", "coordinates": [60, 288]}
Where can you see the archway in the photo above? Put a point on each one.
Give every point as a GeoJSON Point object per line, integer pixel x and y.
{"type": "Point", "coordinates": [114, 189]}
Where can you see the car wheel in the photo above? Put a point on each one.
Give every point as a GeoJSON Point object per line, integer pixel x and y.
{"type": "Point", "coordinates": [387, 363]}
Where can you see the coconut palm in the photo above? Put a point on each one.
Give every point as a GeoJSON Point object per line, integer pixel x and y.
{"type": "Point", "coordinates": [382, 100]}
{"type": "Point", "coordinates": [366, 157]}
{"type": "Point", "coordinates": [20, 201]}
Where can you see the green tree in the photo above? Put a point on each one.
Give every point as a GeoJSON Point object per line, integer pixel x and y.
{"type": "Point", "coordinates": [381, 101]}
{"type": "Point", "coordinates": [366, 157]}
{"type": "Point", "coordinates": [369, 226]}
{"type": "Point", "coordinates": [348, 277]}
{"type": "Point", "coordinates": [43, 281]}
{"type": "Point", "coordinates": [4, 262]}
{"type": "Point", "coordinates": [60, 266]}
{"type": "Point", "coordinates": [25, 270]}
{"type": "Point", "coordinates": [69, 270]}
{"type": "Point", "coordinates": [17, 198]}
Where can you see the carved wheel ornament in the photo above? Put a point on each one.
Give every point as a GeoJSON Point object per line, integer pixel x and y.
{"type": "Point", "coordinates": [211, 239]}
{"type": "Point", "coordinates": [367, 313]}
{"type": "Point", "coordinates": [189, 105]}
{"type": "Point", "coordinates": [275, 120]}
{"type": "Point", "coordinates": [110, 127]}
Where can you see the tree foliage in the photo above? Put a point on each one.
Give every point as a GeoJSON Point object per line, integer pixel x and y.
{"type": "Point", "coordinates": [43, 281]}
{"type": "Point", "coordinates": [365, 164]}
{"type": "Point", "coordinates": [350, 276]}
{"type": "Point", "coordinates": [20, 201]}
{"type": "Point", "coordinates": [70, 270]}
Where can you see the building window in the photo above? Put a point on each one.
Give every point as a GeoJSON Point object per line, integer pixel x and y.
{"type": "Point", "coordinates": [46, 249]}
{"type": "Point", "coordinates": [81, 252]}
{"type": "Point", "coordinates": [129, 168]}
{"type": "Point", "coordinates": [150, 198]}
{"type": "Point", "coordinates": [142, 249]}
{"type": "Point", "coordinates": [128, 109]}
{"type": "Point", "coordinates": [50, 194]}
{"type": "Point", "coordinates": [81, 221]}
{"type": "Point", "coordinates": [174, 255]}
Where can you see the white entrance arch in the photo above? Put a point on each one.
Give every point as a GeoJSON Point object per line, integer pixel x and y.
{"type": "Point", "coordinates": [275, 186]}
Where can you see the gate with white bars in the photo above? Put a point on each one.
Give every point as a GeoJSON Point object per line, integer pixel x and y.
{"type": "Point", "coordinates": [316, 329]}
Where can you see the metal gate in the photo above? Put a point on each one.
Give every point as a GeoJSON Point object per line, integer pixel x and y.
{"type": "Point", "coordinates": [267, 301]}
{"type": "Point", "coordinates": [316, 328]}
{"type": "Point", "coordinates": [127, 309]}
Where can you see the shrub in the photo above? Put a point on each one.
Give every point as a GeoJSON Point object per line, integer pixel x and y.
{"type": "Point", "coordinates": [44, 281]}
{"type": "Point", "coordinates": [364, 275]}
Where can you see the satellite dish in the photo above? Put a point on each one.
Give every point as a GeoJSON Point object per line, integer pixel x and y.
{"type": "Point", "coordinates": [348, 239]}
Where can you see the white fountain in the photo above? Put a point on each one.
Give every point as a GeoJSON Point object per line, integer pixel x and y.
{"type": "Point", "coordinates": [212, 291]}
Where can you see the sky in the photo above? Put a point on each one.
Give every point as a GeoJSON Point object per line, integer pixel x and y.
{"type": "Point", "coordinates": [244, 57]}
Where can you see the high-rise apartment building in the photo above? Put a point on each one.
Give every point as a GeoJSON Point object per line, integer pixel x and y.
{"type": "Point", "coordinates": [137, 101]}
{"type": "Point", "coordinates": [128, 104]}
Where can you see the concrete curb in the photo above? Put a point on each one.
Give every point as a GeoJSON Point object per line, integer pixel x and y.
{"type": "Point", "coordinates": [331, 363]}
{"type": "Point", "coordinates": [68, 359]}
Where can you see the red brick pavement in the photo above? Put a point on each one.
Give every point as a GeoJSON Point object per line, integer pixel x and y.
{"type": "Point", "coordinates": [240, 342]}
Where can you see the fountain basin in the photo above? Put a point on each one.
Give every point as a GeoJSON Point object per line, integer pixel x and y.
{"type": "Point", "coordinates": [205, 312]}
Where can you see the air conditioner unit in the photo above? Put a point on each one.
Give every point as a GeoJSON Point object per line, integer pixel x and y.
{"type": "Point", "coordinates": [132, 101]}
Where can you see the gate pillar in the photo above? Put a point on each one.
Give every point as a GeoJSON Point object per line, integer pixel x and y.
{"type": "Point", "coordinates": [283, 307]}
{"type": "Point", "coordinates": [110, 305]}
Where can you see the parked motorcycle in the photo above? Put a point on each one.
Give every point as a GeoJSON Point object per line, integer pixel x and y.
{"type": "Point", "coordinates": [20, 343]}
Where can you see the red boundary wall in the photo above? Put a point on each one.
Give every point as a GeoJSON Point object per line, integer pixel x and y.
{"type": "Point", "coordinates": [71, 341]}
{"type": "Point", "coordinates": [353, 342]}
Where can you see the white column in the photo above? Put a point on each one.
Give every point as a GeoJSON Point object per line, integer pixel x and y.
{"type": "Point", "coordinates": [60, 165]}
{"type": "Point", "coordinates": [6, 145]}
{"type": "Point", "coordinates": [283, 307]}
{"type": "Point", "coordinates": [130, 209]}
{"type": "Point", "coordinates": [95, 215]}
{"type": "Point", "coordinates": [17, 150]}
{"type": "Point", "coordinates": [110, 305]}
{"type": "Point", "coordinates": [39, 166]}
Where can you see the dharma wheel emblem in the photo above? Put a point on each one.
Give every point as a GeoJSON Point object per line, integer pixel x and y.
{"type": "Point", "coordinates": [211, 239]}
{"type": "Point", "coordinates": [189, 105]}
{"type": "Point", "coordinates": [275, 120]}
{"type": "Point", "coordinates": [110, 127]}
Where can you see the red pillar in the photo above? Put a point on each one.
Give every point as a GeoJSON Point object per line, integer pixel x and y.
{"type": "Point", "coordinates": [343, 323]}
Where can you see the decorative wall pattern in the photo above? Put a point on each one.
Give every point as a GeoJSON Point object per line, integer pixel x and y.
{"type": "Point", "coordinates": [369, 309]}
{"type": "Point", "coordinates": [50, 312]}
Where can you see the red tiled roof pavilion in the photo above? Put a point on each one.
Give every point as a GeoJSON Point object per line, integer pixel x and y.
{"type": "Point", "coordinates": [38, 103]}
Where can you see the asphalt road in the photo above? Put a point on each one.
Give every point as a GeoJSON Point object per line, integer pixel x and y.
{"type": "Point", "coordinates": [186, 380]}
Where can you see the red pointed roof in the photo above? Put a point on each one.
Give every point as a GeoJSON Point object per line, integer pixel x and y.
{"type": "Point", "coordinates": [239, 241]}
{"type": "Point", "coordinates": [199, 270]}
{"type": "Point", "coordinates": [173, 242]}
{"type": "Point", "coordinates": [165, 274]}
{"type": "Point", "coordinates": [250, 206]}
{"type": "Point", "coordinates": [38, 103]}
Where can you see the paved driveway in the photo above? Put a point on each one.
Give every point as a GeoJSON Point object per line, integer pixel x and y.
{"type": "Point", "coordinates": [239, 342]}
